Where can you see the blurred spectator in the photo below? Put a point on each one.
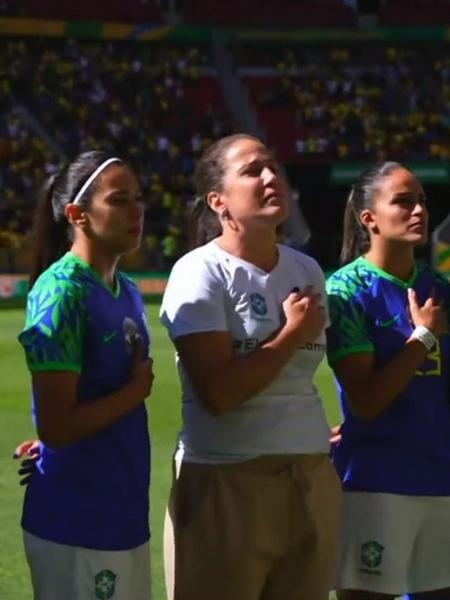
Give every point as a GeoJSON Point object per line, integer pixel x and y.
{"type": "Point", "coordinates": [363, 102]}
{"type": "Point", "coordinates": [131, 99]}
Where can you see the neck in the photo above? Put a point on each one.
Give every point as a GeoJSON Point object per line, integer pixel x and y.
{"type": "Point", "coordinates": [258, 248]}
{"type": "Point", "coordinates": [102, 261]}
{"type": "Point", "coordinates": [394, 258]}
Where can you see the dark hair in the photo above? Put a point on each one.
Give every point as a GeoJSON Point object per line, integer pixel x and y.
{"type": "Point", "coordinates": [208, 177]}
{"type": "Point", "coordinates": [356, 239]}
{"type": "Point", "coordinates": [52, 232]}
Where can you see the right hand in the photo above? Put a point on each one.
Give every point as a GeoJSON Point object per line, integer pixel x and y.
{"type": "Point", "coordinates": [305, 315]}
{"type": "Point", "coordinates": [141, 372]}
{"type": "Point", "coordinates": [430, 315]}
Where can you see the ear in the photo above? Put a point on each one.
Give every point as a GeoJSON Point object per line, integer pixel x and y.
{"type": "Point", "coordinates": [74, 215]}
{"type": "Point", "coordinates": [367, 219]}
{"type": "Point", "coordinates": [215, 202]}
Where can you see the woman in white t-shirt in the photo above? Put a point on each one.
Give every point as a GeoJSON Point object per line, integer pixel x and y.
{"type": "Point", "coordinates": [254, 506]}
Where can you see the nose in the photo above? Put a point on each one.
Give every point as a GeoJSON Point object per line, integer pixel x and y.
{"type": "Point", "coordinates": [268, 175]}
{"type": "Point", "coordinates": [420, 208]}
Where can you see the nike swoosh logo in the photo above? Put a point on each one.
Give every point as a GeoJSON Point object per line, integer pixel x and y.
{"type": "Point", "coordinates": [108, 337]}
{"type": "Point", "coordinates": [388, 322]}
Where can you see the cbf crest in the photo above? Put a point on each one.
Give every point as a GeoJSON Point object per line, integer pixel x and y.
{"type": "Point", "coordinates": [258, 304]}
{"type": "Point", "coordinates": [105, 584]}
{"type": "Point", "coordinates": [131, 333]}
{"type": "Point", "coordinates": [371, 557]}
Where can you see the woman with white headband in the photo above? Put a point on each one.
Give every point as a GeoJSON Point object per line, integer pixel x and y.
{"type": "Point", "coordinates": [86, 341]}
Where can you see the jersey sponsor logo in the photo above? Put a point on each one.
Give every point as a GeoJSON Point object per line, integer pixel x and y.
{"type": "Point", "coordinates": [371, 556]}
{"type": "Point", "coordinates": [105, 584]}
{"type": "Point", "coordinates": [387, 322]}
{"type": "Point", "coordinates": [315, 347]}
{"type": "Point", "coordinates": [247, 344]}
{"type": "Point", "coordinates": [258, 304]}
{"type": "Point", "coordinates": [108, 337]}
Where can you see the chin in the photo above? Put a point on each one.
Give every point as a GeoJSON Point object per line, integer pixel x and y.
{"type": "Point", "coordinates": [419, 240]}
{"type": "Point", "coordinates": [279, 214]}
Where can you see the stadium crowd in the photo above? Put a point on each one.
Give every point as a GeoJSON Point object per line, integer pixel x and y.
{"type": "Point", "coordinates": [133, 100]}
{"type": "Point", "coordinates": [357, 102]}
{"type": "Point", "coordinates": [159, 105]}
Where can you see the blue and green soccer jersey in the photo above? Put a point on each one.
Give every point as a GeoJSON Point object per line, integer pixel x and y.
{"type": "Point", "coordinates": [406, 449]}
{"type": "Point", "coordinates": [93, 493]}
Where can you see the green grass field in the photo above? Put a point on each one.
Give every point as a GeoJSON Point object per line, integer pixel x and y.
{"type": "Point", "coordinates": [15, 426]}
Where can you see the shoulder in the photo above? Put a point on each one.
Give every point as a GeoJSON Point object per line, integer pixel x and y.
{"type": "Point", "coordinates": [204, 262]}
{"type": "Point", "coordinates": [350, 280]}
{"type": "Point", "coordinates": [294, 255]}
{"type": "Point", "coordinates": [64, 278]}
{"type": "Point", "coordinates": [299, 260]}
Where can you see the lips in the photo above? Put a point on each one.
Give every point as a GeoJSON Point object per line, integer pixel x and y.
{"type": "Point", "coordinates": [420, 227]}
{"type": "Point", "coordinates": [273, 198]}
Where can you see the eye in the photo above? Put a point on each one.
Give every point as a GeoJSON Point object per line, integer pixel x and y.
{"type": "Point", "coordinates": [423, 200]}
{"type": "Point", "coordinates": [253, 170]}
{"type": "Point", "coordinates": [405, 200]}
{"type": "Point", "coordinates": [118, 199]}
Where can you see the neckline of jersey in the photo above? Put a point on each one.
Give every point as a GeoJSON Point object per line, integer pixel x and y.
{"type": "Point", "coordinates": [392, 278]}
{"type": "Point", "coordinates": [246, 263]}
{"type": "Point", "coordinates": [115, 293]}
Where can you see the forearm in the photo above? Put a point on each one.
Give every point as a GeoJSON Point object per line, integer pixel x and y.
{"type": "Point", "coordinates": [383, 386]}
{"type": "Point", "coordinates": [88, 418]}
{"type": "Point", "coordinates": [245, 376]}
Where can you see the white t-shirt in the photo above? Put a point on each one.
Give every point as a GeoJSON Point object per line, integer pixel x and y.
{"type": "Point", "coordinates": [212, 290]}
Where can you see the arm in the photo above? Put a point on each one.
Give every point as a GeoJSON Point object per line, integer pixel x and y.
{"type": "Point", "coordinates": [53, 340]}
{"type": "Point", "coordinates": [371, 389]}
{"type": "Point", "coordinates": [61, 420]}
{"type": "Point", "coordinates": [224, 380]}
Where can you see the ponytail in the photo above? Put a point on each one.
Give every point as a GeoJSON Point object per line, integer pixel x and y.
{"type": "Point", "coordinates": [355, 240]}
{"type": "Point", "coordinates": [204, 224]}
{"type": "Point", "coordinates": [50, 235]}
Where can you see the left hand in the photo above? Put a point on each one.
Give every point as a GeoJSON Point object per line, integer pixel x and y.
{"type": "Point", "coordinates": [336, 435]}
{"type": "Point", "coordinates": [30, 450]}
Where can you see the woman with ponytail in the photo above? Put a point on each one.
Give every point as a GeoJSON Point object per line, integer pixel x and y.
{"type": "Point", "coordinates": [85, 515]}
{"type": "Point", "coordinates": [389, 346]}
{"type": "Point", "coordinates": [253, 513]}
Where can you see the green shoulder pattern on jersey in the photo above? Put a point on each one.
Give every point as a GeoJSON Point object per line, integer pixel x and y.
{"type": "Point", "coordinates": [348, 332]}
{"type": "Point", "coordinates": [56, 316]}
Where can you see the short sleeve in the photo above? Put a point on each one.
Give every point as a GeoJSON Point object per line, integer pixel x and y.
{"type": "Point", "coordinates": [194, 299]}
{"type": "Point", "coordinates": [55, 326]}
{"type": "Point", "coordinates": [348, 333]}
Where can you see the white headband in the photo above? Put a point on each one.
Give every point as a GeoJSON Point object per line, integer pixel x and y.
{"type": "Point", "coordinates": [90, 179]}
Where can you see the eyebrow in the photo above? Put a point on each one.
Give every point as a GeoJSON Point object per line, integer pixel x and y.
{"type": "Point", "coordinates": [408, 194]}
{"type": "Point", "coordinates": [119, 191]}
{"type": "Point", "coordinates": [269, 159]}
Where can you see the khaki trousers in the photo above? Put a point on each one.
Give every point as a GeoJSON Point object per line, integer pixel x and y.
{"type": "Point", "coordinates": [264, 529]}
